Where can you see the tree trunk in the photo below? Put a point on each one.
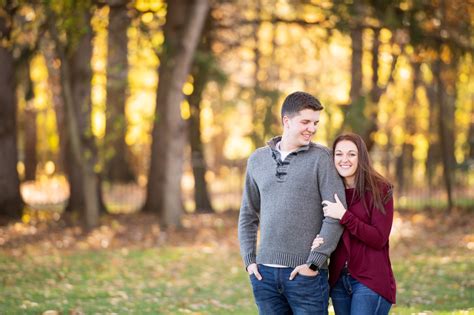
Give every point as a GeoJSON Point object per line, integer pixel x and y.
{"type": "Point", "coordinates": [449, 77]}
{"type": "Point", "coordinates": [201, 192]}
{"type": "Point", "coordinates": [447, 172]}
{"type": "Point", "coordinates": [354, 113]}
{"type": "Point", "coordinates": [356, 63]}
{"type": "Point", "coordinates": [30, 142]}
{"type": "Point", "coordinates": [400, 171]}
{"type": "Point", "coordinates": [117, 167]}
{"type": "Point", "coordinates": [257, 124]}
{"type": "Point", "coordinates": [387, 158]}
{"type": "Point", "coordinates": [10, 199]}
{"type": "Point", "coordinates": [200, 74]}
{"type": "Point", "coordinates": [370, 125]}
{"type": "Point", "coordinates": [76, 78]}
{"type": "Point", "coordinates": [405, 161]}
{"type": "Point", "coordinates": [184, 22]}
{"type": "Point", "coordinates": [470, 138]}
{"type": "Point", "coordinates": [81, 77]}
{"type": "Point", "coordinates": [68, 162]}
{"type": "Point", "coordinates": [375, 93]}
{"type": "Point", "coordinates": [54, 81]}
{"type": "Point", "coordinates": [29, 124]}
{"type": "Point", "coordinates": [434, 150]}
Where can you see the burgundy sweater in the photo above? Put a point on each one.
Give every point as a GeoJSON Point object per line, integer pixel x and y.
{"type": "Point", "coordinates": [364, 245]}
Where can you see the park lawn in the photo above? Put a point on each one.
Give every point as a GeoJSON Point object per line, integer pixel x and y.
{"type": "Point", "coordinates": [193, 280]}
{"type": "Point", "coordinates": [176, 280]}
{"type": "Point", "coordinates": [199, 270]}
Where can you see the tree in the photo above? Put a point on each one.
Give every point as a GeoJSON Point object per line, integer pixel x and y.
{"type": "Point", "coordinates": [355, 113]}
{"type": "Point", "coordinates": [436, 28]}
{"type": "Point", "coordinates": [443, 129]}
{"type": "Point", "coordinates": [29, 123]}
{"type": "Point", "coordinates": [75, 76]}
{"type": "Point", "coordinates": [203, 70]}
{"type": "Point", "coordinates": [405, 161]}
{"type": "Point", "coordinates": [184, 22]}
{"type": "Point", "coordinates": [470, 137]}
{"type": "Point", "coordinates": [354, 18]}
{"type": "Point", "coordinates": [11, 203]}
{"type": "Point", "coordinates": [54, 82]}
{"type": "Point", "coordinates": [434, 150]}
{"type": "Point", "coordinates": [117, 167]}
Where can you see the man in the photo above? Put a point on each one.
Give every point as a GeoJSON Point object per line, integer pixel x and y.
{"type": "Point", "coordinates": [285, 184]}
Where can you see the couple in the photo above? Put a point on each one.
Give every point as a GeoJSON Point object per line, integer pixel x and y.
{"type": "Point", "coordinates": [296, 195]}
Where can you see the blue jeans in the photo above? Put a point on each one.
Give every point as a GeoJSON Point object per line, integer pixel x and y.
{"type": "Point", "coordinates": [349, 296]}
{"type": "Point", "coordinates": [276, 294]}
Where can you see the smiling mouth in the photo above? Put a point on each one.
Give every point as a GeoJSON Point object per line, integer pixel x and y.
{"type": "Point", "coordinates": [345, 166]}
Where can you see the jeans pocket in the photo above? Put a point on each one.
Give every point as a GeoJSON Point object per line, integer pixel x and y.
{"type": "Point", "coordinates": [306, 278]}
{"type": "Point", "coordinates": [310, 282]}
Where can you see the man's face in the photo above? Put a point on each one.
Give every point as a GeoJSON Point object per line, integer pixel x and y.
{"type": "Point", "coordinates": [300, 129]}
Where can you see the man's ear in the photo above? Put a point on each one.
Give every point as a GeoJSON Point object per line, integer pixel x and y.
{"type": "Point", "coordinates": [285, 121]}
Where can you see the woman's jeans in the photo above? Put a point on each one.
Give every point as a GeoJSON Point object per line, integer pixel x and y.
{"type": "Point", "coordinates": [349, 296]}
{"type": "Point", "coordinates": [276, 294]}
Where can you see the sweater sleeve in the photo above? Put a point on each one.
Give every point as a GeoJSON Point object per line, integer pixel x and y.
{"type": "Point", "coordinates": [329, 184]}
{"type": "Point", "coordinates": [376, 233]}
{"type": "Point", "coordinates": [249, 219]}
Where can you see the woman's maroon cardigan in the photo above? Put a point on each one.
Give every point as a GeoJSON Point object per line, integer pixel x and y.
{"type": "Point", "coordinates": [365, 245]}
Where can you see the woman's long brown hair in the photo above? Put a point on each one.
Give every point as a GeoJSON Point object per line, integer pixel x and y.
{"type": "Point", "coordinates": [366, 177]}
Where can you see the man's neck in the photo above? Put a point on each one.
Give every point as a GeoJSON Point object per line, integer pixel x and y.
{"type": "Point", "coordinates": [287, 147]}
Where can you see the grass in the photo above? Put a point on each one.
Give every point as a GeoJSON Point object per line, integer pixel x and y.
{"type": "Point", "coordinates": [141, 281]}
{"type": "Point", "coordinates": [186, 277]}
{"type": "Point", "coordinates": [437, 281]}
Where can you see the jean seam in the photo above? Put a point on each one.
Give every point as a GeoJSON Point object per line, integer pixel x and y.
{"type": "Point", "coordinates": [347, 285]}
{"type": "Point", "coordinates": [378, 304]}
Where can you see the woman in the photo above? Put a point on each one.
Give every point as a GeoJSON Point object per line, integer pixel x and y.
{"type": "Point", "coordinates": [360, 272]}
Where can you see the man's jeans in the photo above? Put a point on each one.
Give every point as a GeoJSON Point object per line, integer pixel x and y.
{"type": "Point", "coordinates": [349, 296]}
{"type": "Point", "coordinates": [276, 294]}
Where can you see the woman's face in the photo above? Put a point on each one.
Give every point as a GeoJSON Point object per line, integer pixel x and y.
{"type": "Point", "coordinates": [346, 159]}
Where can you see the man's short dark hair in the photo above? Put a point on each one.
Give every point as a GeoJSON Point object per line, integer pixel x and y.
{"type": "Point", "coordinates": [297, 101]}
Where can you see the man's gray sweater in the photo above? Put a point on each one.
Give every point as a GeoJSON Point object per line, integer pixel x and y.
{"type": "Point", "coordinates": [284, 198]}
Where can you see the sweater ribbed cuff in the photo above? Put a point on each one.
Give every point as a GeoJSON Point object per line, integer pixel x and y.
{"type": "Point", "coordinates": [249, 258]}
{"type": "Point", "coordinates": [317, 258]}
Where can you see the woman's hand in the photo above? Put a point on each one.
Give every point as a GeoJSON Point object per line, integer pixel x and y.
{"type": "Point", "coordinates": [334, 210]}
{"type": "Point", "coordinates": [317, 242]}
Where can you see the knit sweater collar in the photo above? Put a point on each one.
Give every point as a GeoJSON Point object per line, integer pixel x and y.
{"type": "Point", "coordinates": [272, 143]}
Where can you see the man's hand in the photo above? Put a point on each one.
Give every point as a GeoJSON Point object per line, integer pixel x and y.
{"type": "Point", "coordinates": [253, 269]}
{"type": "Point", "coordinates": [303, 270]}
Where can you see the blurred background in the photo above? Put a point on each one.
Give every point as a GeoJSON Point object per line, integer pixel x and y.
{"type": "Point", "coordinates": [147, 106]}
{"type": "Point", "coordinates": [397, 72]}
